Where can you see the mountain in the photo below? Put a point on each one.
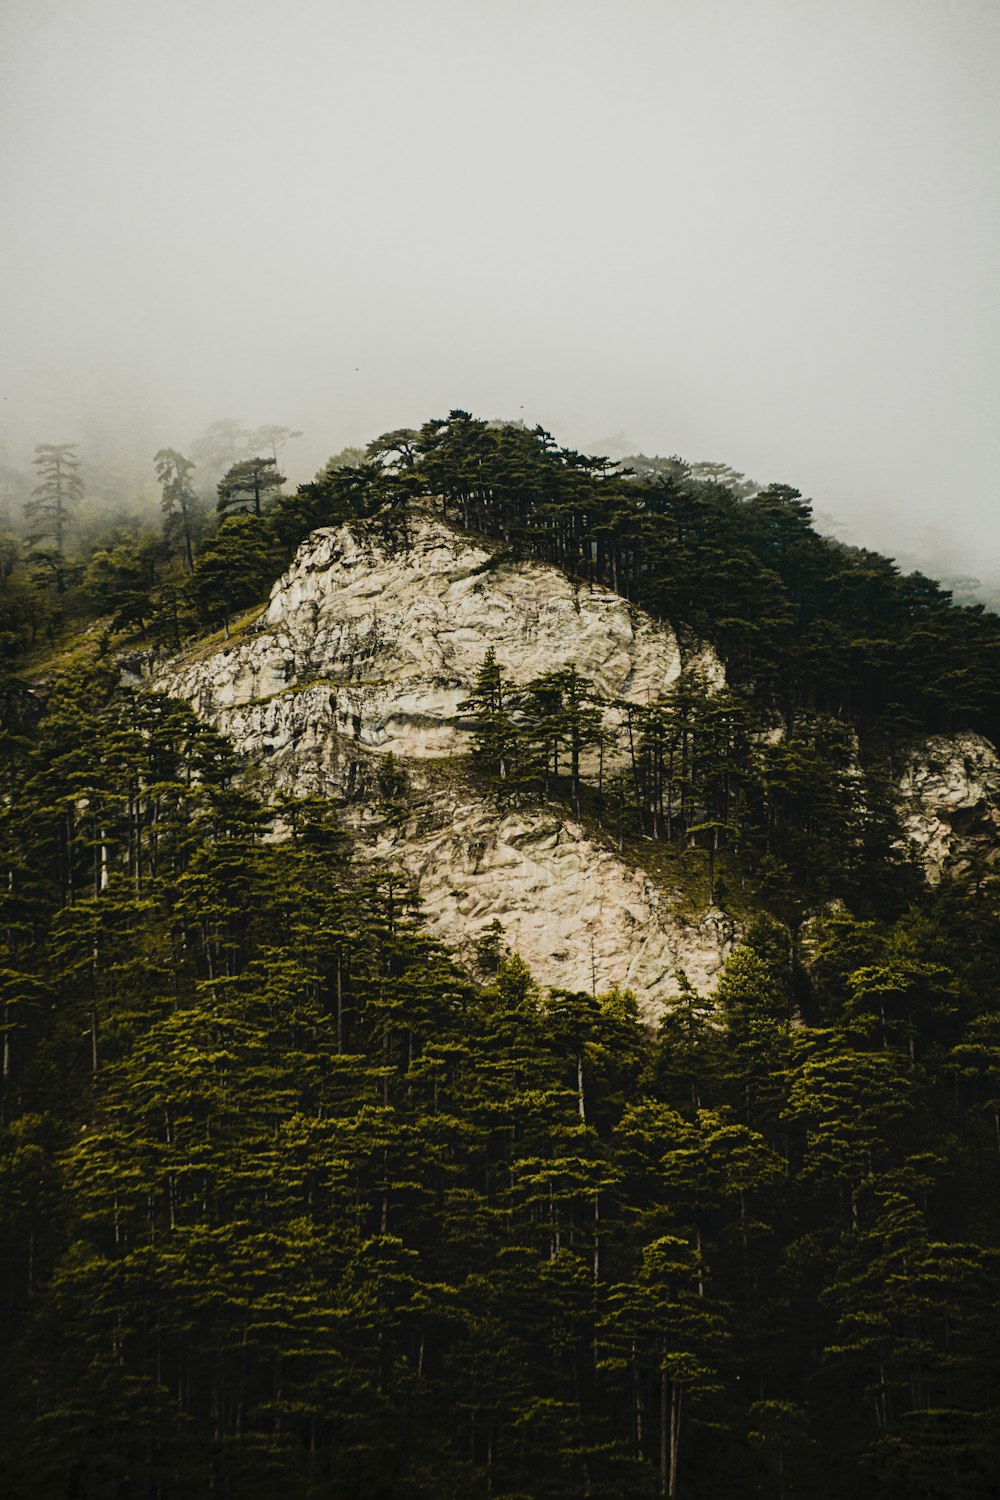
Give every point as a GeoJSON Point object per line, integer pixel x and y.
{"type": "Point", "coordinates": [513, 1013]}
{"type": "Point", "coordinates": [370, 645]}
{"type": "Point", "coordinates": [368, 648]}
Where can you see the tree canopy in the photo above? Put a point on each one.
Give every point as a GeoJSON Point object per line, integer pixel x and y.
{"type": "Point", "coordinates": [292, 1202]}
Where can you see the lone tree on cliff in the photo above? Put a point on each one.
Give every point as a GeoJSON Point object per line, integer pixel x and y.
{"type": "Point", "coordinates": [247, 484]}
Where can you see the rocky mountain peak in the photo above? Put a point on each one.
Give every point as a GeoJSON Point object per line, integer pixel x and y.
{"type": "Point", "coordinates": [370, 642]}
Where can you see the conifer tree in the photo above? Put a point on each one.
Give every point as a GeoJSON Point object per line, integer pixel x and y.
{"type": "Point", "coordinates": [60, 488]}
{"type": "Point", "coordinates": [180, 504]}
{"type": "Point", "coordinates": [496, 742]}
{"type": "Point", "coordinates": [561, 712]}
{"type": "Point", "coordinates": [247, 485]}
{"type": "Point", "coordinates": [232, 569]}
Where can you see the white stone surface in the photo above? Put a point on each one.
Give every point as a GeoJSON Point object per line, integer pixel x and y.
{"type": "Point", "coordinates": [399, 636]}
{"type": "Point", "coordinates": [950, 801]}
{"type": "Point", "coordinates": [576, 912]}
{"type": "Point", "coordinates": [366, 649]}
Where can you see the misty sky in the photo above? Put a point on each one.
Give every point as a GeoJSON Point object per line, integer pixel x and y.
{"type": "Point", "coordinates": [764, 231]}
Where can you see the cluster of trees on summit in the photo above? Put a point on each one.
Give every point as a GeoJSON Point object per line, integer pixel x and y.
{"type": "Point", "coordinates": [803, 623]}
{"type": "Point", "coordinates": [293, 1203]}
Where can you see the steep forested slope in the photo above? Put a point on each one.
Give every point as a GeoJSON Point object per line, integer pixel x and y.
{"type": "Point", "coordinates": [292, 1203]}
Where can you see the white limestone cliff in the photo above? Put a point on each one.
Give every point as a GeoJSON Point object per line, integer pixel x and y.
{"type": "Point", "coordinates": [580, 915]}
{"type": "Point", "coordinates": [397, 634]}
{"type": "Point", "coordinates": [369, 645]}
{"type": "Point", "coordinates": [366, 647]}
{"type": "Point", "coordinates": [950, 802]}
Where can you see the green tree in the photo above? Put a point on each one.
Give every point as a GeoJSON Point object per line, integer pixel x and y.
{"type": "Point", "coordinates": [914, 1335]}
{"type": "Point", "coordinates": [660, 1329]}
{"type": "Point", "coordinates": [60, 488]}
{"type": "Point", "coordinates": [496, 739]}
{"type": "Point", "coordinates": [181, 507]}
{"type": "Point", "coordinates": [233, 569]}
{"type": "Point", "coordinates": [247, 486]}
{"type": "Point", "coordinates": [121, 578]}
{"type": "Point", "coordinates": [561, 711]}
{"type": "Point", "coordinates": [400, 446]}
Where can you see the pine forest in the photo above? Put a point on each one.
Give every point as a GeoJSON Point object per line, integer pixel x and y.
{"type": "Point", "coordinates": [298, 1200]}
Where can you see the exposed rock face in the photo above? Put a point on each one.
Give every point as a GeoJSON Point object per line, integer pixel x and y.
{"type": "Point", "coordinates": [370, 643]}
{"type": "Point", "coordinates": [577, 913]}
{"type": "Point", "coordinates": [368, 647]}
{"type": "Point", "coordinates": [950, 802]}
{"type": "Point", "coordinates": [397, 634]}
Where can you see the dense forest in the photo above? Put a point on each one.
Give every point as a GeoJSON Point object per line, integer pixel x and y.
{"type": "Point", "coordinates": [292, 1203]}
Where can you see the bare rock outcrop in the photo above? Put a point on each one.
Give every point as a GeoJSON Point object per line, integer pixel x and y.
{"type": "Point", "coordinates": [370, 642]}
{"type": "Point", "coordinates": [580, 915]}
{"type": "Point", "coordinates": [950, 802]}
{"type": "Point", "coordinates": [397, 631]}
{"type": "Point", "coordinates": [369, 645]}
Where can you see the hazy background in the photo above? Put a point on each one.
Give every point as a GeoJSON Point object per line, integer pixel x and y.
{"type": "Point", "coordinates": [758, 231]}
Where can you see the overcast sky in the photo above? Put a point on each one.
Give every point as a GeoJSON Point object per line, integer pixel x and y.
{"type": "Point", "coordinates": [762, 231]}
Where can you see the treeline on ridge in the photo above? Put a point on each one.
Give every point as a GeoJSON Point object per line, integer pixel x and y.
{"type": "Point", "coordinates": [802, 623]}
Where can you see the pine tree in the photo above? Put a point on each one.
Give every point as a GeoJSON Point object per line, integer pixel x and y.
{"type": "Point", "coordinates": [180, 504]}
{"type": "Point", "coordinates": [247, 485]}
{"type": "Point", "coordinates": [561, 712]}
{"type": "Point", "coordinates": [232, 569]}
{"type": "Point", "coordinates": [665, 1338]}
{"type": "Point", "coordinates": [60, 488]}
{"type": "Point", "coordinates": [496, 738]}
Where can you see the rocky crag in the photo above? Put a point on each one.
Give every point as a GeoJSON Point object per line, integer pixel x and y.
{"type": "Point", "coordinates": [950, 803]}
{"type": "Point", "coordinates": [369, 644]}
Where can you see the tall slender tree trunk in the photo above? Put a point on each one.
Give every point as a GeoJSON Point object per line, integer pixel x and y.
{"type": "Point", "coordinates": [676, 1397]}
{"type": "Point", "coordinates": [666, 1432]}
{"type": "Point", "coordinates": [340, 1003]}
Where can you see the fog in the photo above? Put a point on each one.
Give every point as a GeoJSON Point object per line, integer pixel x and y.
{"type": "Point", "coordinates": [758, 231]}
